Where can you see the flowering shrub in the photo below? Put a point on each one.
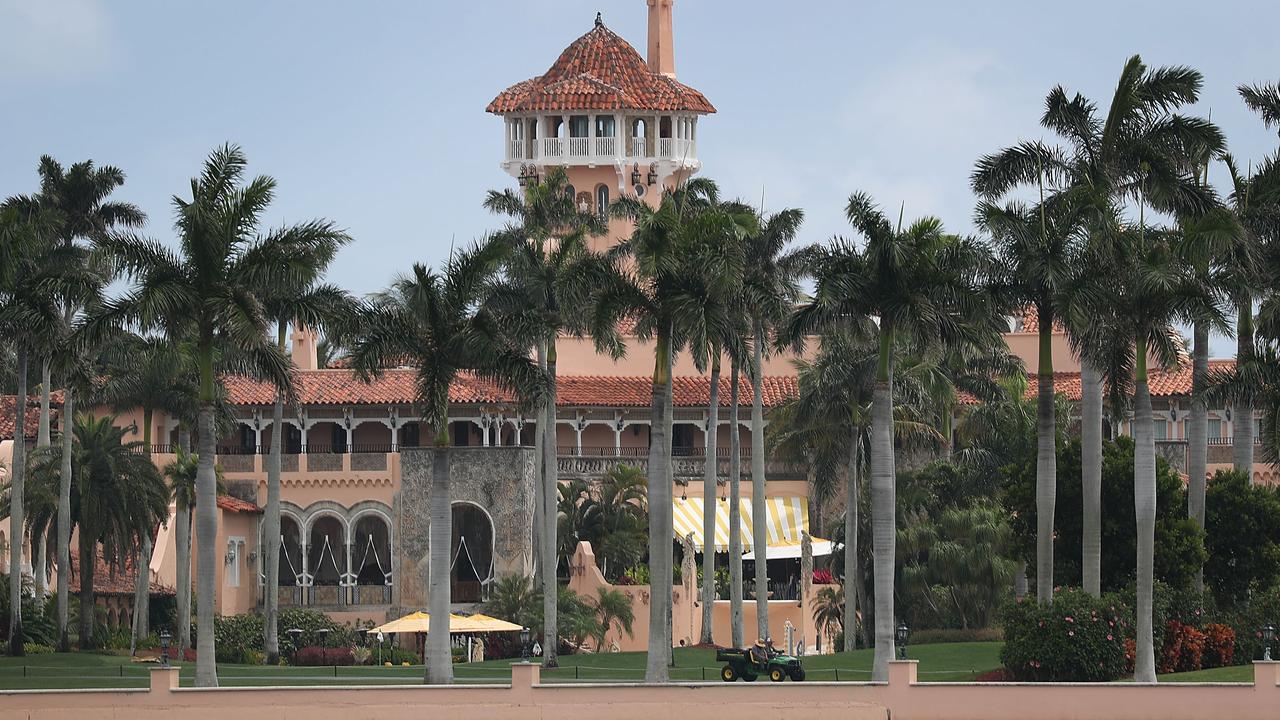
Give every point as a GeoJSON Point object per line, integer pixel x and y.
{"type": "Point", "coordinates": [822, 577]}
{"type": "Point", "coordinates": [1183, 648]}
{"type": "Point", "coordinates": [1219, 645]}
{"type": "Point", "coordinates": [324, 656]}
{"type": "Point", "coordinates": [1078, 638]}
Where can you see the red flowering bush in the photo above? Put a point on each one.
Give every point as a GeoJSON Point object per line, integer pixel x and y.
{"type": "Point", "coordinates": [823, 577]}
{"type": "Point", "coordinates": [1219, 645]}
{"type": "Point", "coordinates": [323, 656]}
{"type": "Point", "coordinates": [1183, 648]}
{"type": "Point", "coordinates": [1077, 638]}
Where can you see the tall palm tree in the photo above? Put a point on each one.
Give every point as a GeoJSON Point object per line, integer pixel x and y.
{"type": "Point", "coordinates": [180, 473]}
{"type": "Point", "coordinates": [668, 274]}
{"type": "Point", "coordinates": [210, 290]}
{"type": "Point", "coordinates": [1140, 146]}
{"type": "Point", "coordinates": [34, 273]}
{"type": "Point", "coordinates": [543, 288]}
{"type": "Point", "coordinates": [308, 304]}
{"type": "Point", "coordinates": [1037, 252]}
{"type": "Point", "coordinates": [119, 494]}
{"type": "Point", "coordinates": [438, 323]}
{"type": "Point", "coordinates": [769, 292]}
{"type": "Point", "coordinates": [924, 287]}
{"type": "Point", "coordinates": [1154, 288]}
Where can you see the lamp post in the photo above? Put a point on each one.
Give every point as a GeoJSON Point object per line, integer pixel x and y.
{"type": "Point", "coordinates": [294, 634]}
{"type": "Point", "coordinates": [900, 637]}
{"type": "Point", "coordinates": [164, 648]}
{"type": "Point", "coordinates": [524, 644]}
{"type": "Point", "coordinates": [324, 635]}
{"type": "Point", "coordinates": [1268, 636]}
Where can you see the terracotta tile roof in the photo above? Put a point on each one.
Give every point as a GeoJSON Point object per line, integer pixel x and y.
{"type": "Point", "coordinates": [1028, 321]}
{"type": "Point", "coordinates": [32, 418]}
{"type": "Point", "coordinates": [600, 71]}
{"type": "Point", "coordinates": [235, 504]}
{"type": "Point", "coordinates": [395, 386]}
{"type": "Point", "coordinates": [1174, 383]}
{"type": "Point", "coordinates": [107, 582]}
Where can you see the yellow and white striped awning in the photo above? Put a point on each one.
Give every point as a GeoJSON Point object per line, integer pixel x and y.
{"type": "Point", "coordinates": [787, 518]}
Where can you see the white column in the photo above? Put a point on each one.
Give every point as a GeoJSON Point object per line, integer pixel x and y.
{"type": "Point", "coordinates": [349, 580]}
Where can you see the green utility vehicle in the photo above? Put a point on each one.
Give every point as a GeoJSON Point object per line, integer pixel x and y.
{"type": "Point", "coordinates": [750, 663]}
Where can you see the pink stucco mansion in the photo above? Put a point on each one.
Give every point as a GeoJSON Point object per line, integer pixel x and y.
{"type": "Point", "coordinates": [621, 124]}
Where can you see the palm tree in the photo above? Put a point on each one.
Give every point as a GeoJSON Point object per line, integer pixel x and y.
{"type": "Point", "coordinates": [1254, 201]}
{"type": "Point", "coordinates": [1140, 146]}
{"type": "Point", "coordinates": [924, 287]}
{"type": "Point", "coordinates": [1153, 288]}
{"type": "Point", "coordinates": [614, 609]}
{"type": "Point", "coordinates": [769, 292]}
{"type": "Point", "coordinates": [32, 277]}
{"type": "Point", "coordinates": [146, 373]}
{"type": "Point", "coordinates": [667, 276]}
{"type": "Point", "coordinates": [1037, 252]}
{"type": "Point", "coordinates": [120, 497]}
{"type": "Point", "coordinates": [438, 324]}
{"type": "Point", "coordinates": [542, 291]}
{"type": "Point", "coordinates": [210, 291]}
{"type": "Point", "coordinates": [307, 304]}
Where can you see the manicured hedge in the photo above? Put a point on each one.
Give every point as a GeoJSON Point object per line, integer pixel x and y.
{"type": "Point", "coordinates": [1077, 638]}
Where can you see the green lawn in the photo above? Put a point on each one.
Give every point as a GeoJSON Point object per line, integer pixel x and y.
{"type": "Point", "coordinates": [951, 662]}
{"type": "Point", "coordinates": [1232, 674]}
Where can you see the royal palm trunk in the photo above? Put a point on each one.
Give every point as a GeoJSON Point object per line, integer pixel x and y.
{"type": "Point", "coordinates": [64, 522]}
{"type": "Point", "coordinates": [1091, 477]}
{"type": "Point", "coordinates": [271, 527]}
{"type": "Point", "coordinates": [1242, 425]}
{"type": "Point", "coordinates": [539, 487]}
{"type": "Point", "coordinates": [883, 504]}
{"type": "Point", "coordinates": [1144, 505]}
{"type": "Point", "coordinates": [851, 544]}
{"type": "Point", "coordinates": [736, 622]}
{"type": "Point", "coordinates": [183, 531]}
{"type": "Point", "coordinates": [439, 670]}
{"type": "Point", "coordinates": [1046, 464]}
{"type": "Point", "coordinates": [710, 468]}
{"type": "Point", "coordinates": [142, 585]}
{"type": "Point", "coordinates": [42, 433]}
{"type": "Point", "coordinates": [660, 519]}
{"type": "Point", "coordinates": [17, 509]}
{"type": "Point", "coordinates": [206, 528]}
{"type": "Point", "coordinates": [1198, 432]}
{"type": "Point", "coordinates": [88, 567]}
{"type": "Point", "coordinates": [759, 512]}
{"type": "Point", "coordinates": [550, 493]}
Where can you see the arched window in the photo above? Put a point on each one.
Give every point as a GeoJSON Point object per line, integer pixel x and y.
{"type": "Point", "coordinates": [602, 200]}
{"type": "Point", "coordinates": [570, 193]}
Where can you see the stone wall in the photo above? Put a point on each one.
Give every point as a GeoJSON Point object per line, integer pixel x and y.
{"type": "Point", "coordinates": [498, 479]}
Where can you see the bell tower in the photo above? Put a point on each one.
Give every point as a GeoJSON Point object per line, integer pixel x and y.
{"type": "Point", "coordinates": [662, 53]}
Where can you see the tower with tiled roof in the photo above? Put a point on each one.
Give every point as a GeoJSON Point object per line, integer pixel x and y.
{"type": "Point", "coordinates": [619, 124]}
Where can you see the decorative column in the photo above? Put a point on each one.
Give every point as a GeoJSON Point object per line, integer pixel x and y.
{"type": "Point", "coordinates": [618, 426]}
{"type": "Point", "coordinates": [393, 421]}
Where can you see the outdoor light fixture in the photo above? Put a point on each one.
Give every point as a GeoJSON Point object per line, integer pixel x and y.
{"type": "Point", "coordinates": [1268, 636]}
{"type": "Point", "coordinates": [324, 634]}
{"type": "Point", "coordinates": [900, 636]}
{"type": "Point", "coordinates": [528, 175]}
{"type": "Point", "coordinates": [1227, 413]}
{"type": "Point", "coordinates": [164, 648]}
{"type": "Point", "coordinates": [524, 644]}
{"type": "Point", "coordinates": [653, 174]}
{"type": "Point", "coordinates": [294, 634]}
{"type": "Point", "coordinates": [635, 174]}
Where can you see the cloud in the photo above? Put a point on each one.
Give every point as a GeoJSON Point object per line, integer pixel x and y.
{"type": "Point", "coordinates": [41, 39]}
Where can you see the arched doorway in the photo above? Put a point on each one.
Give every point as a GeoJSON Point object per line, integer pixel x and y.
{"type": "Point", "coordinates": [371, 560]}
{"type": "Point", "coordinates": [290, 566]}
{"type": "Point", "coordinates": [470, 553]}
{"type": "Point", "coordinates": [327, 560]}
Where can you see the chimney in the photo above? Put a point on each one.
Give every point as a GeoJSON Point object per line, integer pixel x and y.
{"type": "Point", "coordinates": [303, 350]}
{"type": "Point", "coordinates": [662, 54]}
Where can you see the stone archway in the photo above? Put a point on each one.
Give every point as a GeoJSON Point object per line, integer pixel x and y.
{"type": "Point", "coordinates": [371, 559]}
{"type": "Point", "coordinates": [470, 553]}
{"type": "Point", "coordinates": [327, 559]}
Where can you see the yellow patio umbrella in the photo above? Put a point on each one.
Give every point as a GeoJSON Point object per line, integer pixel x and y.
{"type": "Point", "coordinates": [420, 622]}
{"type": "Point", "coordinates": [481, 624]}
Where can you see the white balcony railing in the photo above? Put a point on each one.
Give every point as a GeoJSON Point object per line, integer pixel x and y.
{"type": "Point", "coordinates": [600, 150]}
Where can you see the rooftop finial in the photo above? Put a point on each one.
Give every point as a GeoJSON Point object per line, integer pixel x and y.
{"type": "Point", "coordinates": [599, 20]}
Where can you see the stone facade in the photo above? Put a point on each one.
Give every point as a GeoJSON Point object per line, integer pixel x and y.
{"type": "Point", "coordinates": [500, 480]}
